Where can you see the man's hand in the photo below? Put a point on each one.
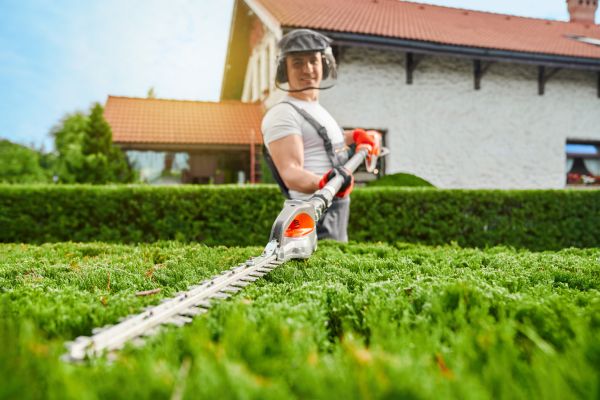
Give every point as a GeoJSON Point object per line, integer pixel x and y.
{"type": "Point", "coordinates": [346, 187]}
{"type": "Point", "coordinates": [369, 139]}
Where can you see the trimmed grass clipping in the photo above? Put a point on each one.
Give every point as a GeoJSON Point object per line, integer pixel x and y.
{"type": "Point", "coordinates": [355, 320]}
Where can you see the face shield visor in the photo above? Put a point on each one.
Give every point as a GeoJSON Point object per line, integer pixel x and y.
{"type": "Point", "coordinates": [302, 52]}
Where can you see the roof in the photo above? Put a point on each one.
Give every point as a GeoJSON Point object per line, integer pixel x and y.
{"type": "Point", "coordinates": [159, 121]}
{"type": "Point", "coordinates": [435, 24]}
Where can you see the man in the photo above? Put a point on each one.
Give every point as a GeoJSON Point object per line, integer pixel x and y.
{"type": "Point", "coordinates": [307, 147]}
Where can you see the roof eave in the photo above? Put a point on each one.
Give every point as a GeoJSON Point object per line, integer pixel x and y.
{"type": "Point", "coordinates": [422, 47]}
{"type": "Point", "coordinates": [183, 147]}
{"type": "Point", "coordinates": [236, 59]}
{"type": "Point", "coordinates": [266, 17]}
{"type": "Point", "coordinates": [228, 54]}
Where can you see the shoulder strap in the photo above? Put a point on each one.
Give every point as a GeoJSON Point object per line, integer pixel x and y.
{"type": "Point", "coordinates": [321, 130]}
{"type": "Point", "coordinates": [284, 189]}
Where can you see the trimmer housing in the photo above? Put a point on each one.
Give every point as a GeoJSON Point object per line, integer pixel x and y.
{"type": "Point", "coordinates": [294, 232]}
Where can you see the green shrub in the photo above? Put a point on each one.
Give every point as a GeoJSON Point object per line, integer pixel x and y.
{"type": "Point", "coordinates": [233, 215]}
{"type": "Point", "coordinates": [85, 150]}
{"type": "Point", "coordinates": [20, 164]}
{"type": "Point", "coordinates": [382, 321]}
{"type": "Point", "coordinates": [534, 219]}
{"type": "Point", "coordinates": [114, 213]}
{"type": "Point", "coordinates": [400, 179]}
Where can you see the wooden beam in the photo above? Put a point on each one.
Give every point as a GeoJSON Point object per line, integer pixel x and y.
{"type": "Point", "coordinates": [479, 70]}
{"type": "Point", "coordinates": [543, 77]}
{"type": "Point", "coordinates": [255, 85]}
{"type": "Point", "coordinates": [252, 157]}
{"type": "Point", "coordinates": [263, 76]}
{"type": "Point", "coordinates": [247, 91]}
{"type": "Point", "coordinates": [411, 65]}
{"type": "Point", "coordinates": [272, 46]}
{"type": "Point", "coordinates": [477, 73]}
{"type": "Point", "coordinates": [338, 53]}
{"type": "Point", "coordinates": [541, 82]}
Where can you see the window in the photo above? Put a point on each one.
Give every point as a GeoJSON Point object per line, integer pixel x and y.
{"type": "Point", "coordinates": [583, 163]}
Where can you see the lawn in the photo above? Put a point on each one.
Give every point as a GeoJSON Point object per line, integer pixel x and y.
{"type": "Point", "coordinates": [353, 321]}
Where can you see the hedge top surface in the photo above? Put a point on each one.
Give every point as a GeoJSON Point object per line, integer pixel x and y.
{"type": "Point", "coordinates": [353, 321]}
{"type": "Point", "coordinates": [243, 215]}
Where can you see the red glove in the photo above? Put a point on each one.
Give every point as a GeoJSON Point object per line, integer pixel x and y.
{"type": "Point", "coordinates": [346, 187]}
{"type": "Point", "coordinates": [369, 139]}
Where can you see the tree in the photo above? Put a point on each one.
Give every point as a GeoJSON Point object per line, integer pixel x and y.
{"type": "Point", "coordinates": [20, 164]}
{"type": "Point", "coordinates": [151, 94]}
{"type": "Point", "coordinates": [86, 153]}
{"type": "Point", "coordinates": [68, 138]}
{"type": "Point", "coordinates": [96, 148]}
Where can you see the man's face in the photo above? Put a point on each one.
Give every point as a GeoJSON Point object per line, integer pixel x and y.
{"type": "Point", "coordinates": [304, 70]}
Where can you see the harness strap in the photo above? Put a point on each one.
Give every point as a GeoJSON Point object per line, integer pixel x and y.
{"type": "Point", "coordinates": [284, 189]}
{"type": "Point", "coordinates": [321, 130]}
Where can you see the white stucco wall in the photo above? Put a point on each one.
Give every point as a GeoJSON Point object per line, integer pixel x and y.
{"type": "Point", "coordinates": [439, 128]}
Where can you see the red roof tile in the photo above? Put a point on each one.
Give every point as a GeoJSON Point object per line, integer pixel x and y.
{"type": "Point", "coordinates": [424, 22]}
{"type": "Point", "coordinates": [135, 120]}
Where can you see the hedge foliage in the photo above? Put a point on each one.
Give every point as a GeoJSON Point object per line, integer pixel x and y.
{"type": "Point", "coordinates": [130, 214]}
{"type": "Point", "coordinates": [533, 219]}
{"type": "Point", "coordinates": [354, 321]}
{"type": "Point", "coordinates": [233, 215]}
{"type": "Point", "coordinates": [399, 179]}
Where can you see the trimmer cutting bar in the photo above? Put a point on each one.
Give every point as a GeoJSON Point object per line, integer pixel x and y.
{"type": "Point", "coordinates": [176, 310]}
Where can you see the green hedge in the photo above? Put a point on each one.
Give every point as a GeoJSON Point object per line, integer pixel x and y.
{"type": "Point", "coordinates": [399, 179]}
{"type": "Point", "coordinates": [356, 321]}
{"type": "Point", "coordinates": [533, 219]}
{"type": "Point", "coordinates": [232, 215]}
{"type": "Point", "coordinates": [118, 213]}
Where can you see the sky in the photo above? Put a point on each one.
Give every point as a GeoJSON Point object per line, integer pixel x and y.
{"type": "Point", "coordinates": [59, 57]}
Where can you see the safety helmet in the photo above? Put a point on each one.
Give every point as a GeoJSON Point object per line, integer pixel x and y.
{"type": "Point", "coordinates": [303, 41]}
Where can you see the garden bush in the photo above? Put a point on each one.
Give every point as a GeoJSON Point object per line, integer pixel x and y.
{"type": "Point", "coordinates": [533, 219]}
{"type": "Point", "coordinates": [233, 215]}
{"type": "Point", "coordinates": [353, 321]}
{"type": "Point", "coordinates": [399, 179]}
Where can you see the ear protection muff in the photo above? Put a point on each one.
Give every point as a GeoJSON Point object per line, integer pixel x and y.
{"type": "Point", "coordinates": [329, 67]}
{"type": "Point", "coordinates": [281, 72]}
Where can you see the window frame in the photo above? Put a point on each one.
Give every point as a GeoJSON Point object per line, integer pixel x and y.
{"type": "Point", "coordinates": [576, 179]}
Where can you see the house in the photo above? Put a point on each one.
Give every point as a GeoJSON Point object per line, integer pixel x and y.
{"type": "Point", "coordinates": [466, 99]}
{"type": "Point", "coordinates": [172, 141]}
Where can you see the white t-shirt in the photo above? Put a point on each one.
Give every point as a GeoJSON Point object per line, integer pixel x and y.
{"type": "Point", "coordinates": [283, 120]}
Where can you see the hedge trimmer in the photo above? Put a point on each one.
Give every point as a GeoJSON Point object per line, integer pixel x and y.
{"type": "Point", "coordinates": [293, 235]}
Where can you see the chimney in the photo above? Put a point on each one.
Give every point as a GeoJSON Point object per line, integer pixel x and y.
{"type": "Point", "coordinates": [582, 11]}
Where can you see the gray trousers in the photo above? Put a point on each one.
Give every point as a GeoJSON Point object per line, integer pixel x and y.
{"type": "Point", "coordinates": [334, 223]}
